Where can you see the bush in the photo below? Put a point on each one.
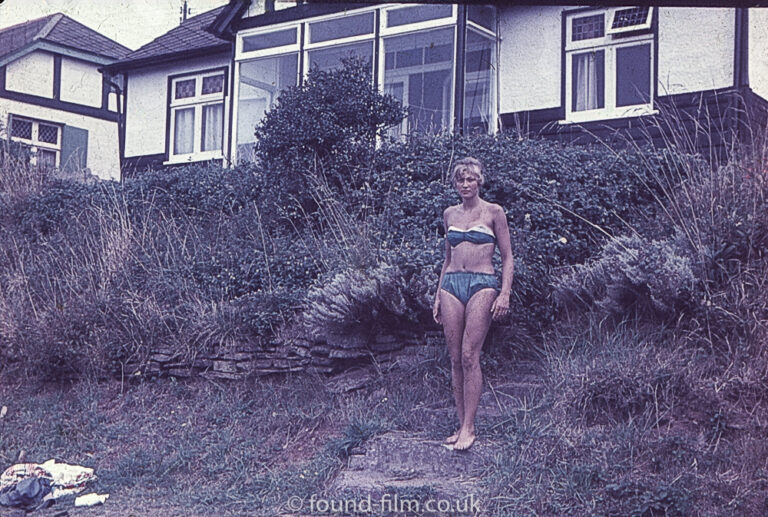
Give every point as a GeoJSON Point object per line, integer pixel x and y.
{"type": "Point", "coordinates": [330, 123]}
{"type": "Point", "coordinates": [700, 258]}
{"type": "Point", "coordinates": [356, 302]}
{"type": "Point", "coordinates": [562, 203]}
{"type": "Point", "coordinates": [631, 275]}
{"type": "Point", "coordinates": [203, 190]}
{"type": "Point", "coordinates": [95, 277]}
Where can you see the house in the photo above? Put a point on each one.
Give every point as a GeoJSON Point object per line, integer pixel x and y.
{"type": "Point", "coordinates": [196, 92]}
{"type": "Point", "coordinates": [54, 100]}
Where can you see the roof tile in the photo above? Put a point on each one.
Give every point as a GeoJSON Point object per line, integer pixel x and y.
{"type": "Point", "coordinates": [18, 36]}
{"type": "Point", "coordinates": [190, 35]}
{"type": "Point", "coordinates": [74, 34]}
{"type": "Point", "coordinates": [61, 29]}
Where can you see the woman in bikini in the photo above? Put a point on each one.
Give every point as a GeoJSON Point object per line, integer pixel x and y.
{"type": "Point", "coordinates": [469, 297]}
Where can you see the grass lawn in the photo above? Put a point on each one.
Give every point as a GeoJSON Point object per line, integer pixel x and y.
{"type": "Point", "coordinates": [616, 426]}
{"type": "Point", "coordinates": [168, 447]}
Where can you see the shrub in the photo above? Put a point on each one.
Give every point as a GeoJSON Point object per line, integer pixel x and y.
{"type": "Point", "coordinates": [358, 302]}
{"type": "Point", "coordinates": [700, 257]}
{"type": "Point", "coordinates": [201, 190]}
{"type": "Point", "coordinates": [630, 275]}
{"type": "Point", "coordinates": [329, 123]}
{"type": "Point", "coordinates": [562, 203]}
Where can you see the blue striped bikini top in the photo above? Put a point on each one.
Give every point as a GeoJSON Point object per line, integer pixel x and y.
{"type": "Point", "coordinates": [479, 234]}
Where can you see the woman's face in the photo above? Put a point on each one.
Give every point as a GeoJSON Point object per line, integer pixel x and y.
{"type": "Point", "coordinates": [467, 184]}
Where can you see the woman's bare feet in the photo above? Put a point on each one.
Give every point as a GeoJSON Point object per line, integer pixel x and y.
{"type": "Point", "coordinates": [465, 441]}
{"type": "Point", "coordinates": [452, 439]}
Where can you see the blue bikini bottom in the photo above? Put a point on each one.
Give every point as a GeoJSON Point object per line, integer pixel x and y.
{"type": "Point", "coordinates": [463, 285]}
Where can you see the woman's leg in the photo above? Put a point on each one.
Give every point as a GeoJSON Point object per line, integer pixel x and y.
{"type": "Point", "coordinates": [452, 316]}
{"type": "Point", "coordinates": [477, 320]}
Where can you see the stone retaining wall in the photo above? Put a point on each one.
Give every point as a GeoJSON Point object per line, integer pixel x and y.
{"type": "Point", "coordinates": [322, 355]}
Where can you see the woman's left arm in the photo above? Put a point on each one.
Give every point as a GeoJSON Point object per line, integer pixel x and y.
{"type": "Point", "coordinates": [500, 307]}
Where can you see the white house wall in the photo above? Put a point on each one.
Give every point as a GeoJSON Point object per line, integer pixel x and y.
{"type": "Point", "coordinates": [80, 82]}
{"type": "Point", "coordinates": [758, 51]}
{"type": "Point", "coordinates": [254, 9]}
{"type": "Point", "coordinates": [31, 74]}
{"type": "Point", "coordinates": [257, 7]}
{"type": "Point", "coordinates": [147, 104]}
{"type": "Point", "coordinates": [102, 157]}
{"type": "Point", "coordinates": [529, 57]}
{"type": "Point", "coordinates": [695, 49]}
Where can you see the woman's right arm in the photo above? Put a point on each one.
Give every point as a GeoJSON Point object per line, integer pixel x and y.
{"type": "Point", "coordinates": [446, 263]}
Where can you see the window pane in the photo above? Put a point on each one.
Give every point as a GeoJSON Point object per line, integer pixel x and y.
{"type": "Point", "coordinates": [633, 75]}
{"type": "Point", "coordinates": [269, 40]}
{"type": "Point", "coordinates": [330, 58]}
{"type": "Point", "coordinates": [48, 133]}
{"type": "Point", "coordinates": [183, 132]}
{"type": "Point", "coordinates": [341, 28]}
{"type": "Point", "coordinates": [213, 84]}
{"type": "Point", "coordinates": [630, 17]}
{"type": "Point", "coordinates": [421, 13]}
{"type": "Point", "coordinates": [46, 159]}
{"type": "Point", "coordinates": [483, 15]}
{"type": "Point", "coordinates": [213, 125]}
{"type": "Point", "coordinates": [396, 91]}
{"type": "Point", "coordinates": [588, 27]}
{"type": "Point", "coordinates": [588, 81]}
{"type": "Point", "coordinates": [21, 128]}
{"type": "Point", "coordinates": [479, 82]}
{"type": "Point", "coordinates": [261, 82]}
{"type": "Point", "coordinates": [185, 89]}
{"type": "Point", "coordinates": [420, 71]}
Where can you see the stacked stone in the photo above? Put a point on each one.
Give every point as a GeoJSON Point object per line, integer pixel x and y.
{"type": "Point", "coordinates": [324, 355]}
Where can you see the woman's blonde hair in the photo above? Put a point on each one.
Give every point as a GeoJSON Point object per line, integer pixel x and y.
{"type": "Point", "coordinates": [469, 165]}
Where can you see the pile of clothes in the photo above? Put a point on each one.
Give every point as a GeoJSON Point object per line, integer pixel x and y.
{"type": "Point", "coordinates": [32, 486]}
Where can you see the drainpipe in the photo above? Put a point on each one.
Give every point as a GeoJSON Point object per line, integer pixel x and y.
{"type": "Point", "coordinates": [740, 66]}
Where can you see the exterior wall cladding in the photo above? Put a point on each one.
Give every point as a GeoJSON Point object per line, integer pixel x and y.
{"type": "Point", "coordinates": [698, 69]}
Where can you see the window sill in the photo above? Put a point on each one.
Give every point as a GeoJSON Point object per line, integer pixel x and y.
{"type": "Point", "coordinates": [187, 159]}
{"type": "Point", "coordinates": [601, 117]}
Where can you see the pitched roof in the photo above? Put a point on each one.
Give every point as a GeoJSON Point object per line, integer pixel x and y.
{"type": "Point", "coordinates": [60, 29]}
{"type": "Point", "coordinates": [187, 37]}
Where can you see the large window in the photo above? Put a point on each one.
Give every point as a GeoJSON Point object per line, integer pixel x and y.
{"type": "Point", "coordinates": [197, 116]}
{"type": "Point", "coordinates": [43, 139]}
{"type": "Point", "coordinates": [261, 82]}
{"type": "Point", "coordinates": [418, 71]}
{"type": "Point", "coordinates": [412, 50]}
{"type": "Point", "coordinates": [608, 63]}
{"type": "Point", "coordinates": [479, 82]}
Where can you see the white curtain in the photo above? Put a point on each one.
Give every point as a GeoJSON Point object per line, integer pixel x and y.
{"type": "Point", "coordinates": [212, 126]}
{"type": "Point", "coordinates": [184, 131]}
{"type": "Point", "coordinates": [585, 81]}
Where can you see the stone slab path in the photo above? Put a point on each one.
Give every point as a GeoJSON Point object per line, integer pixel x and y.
{"type": "Point", "coordinates": [399, 462]}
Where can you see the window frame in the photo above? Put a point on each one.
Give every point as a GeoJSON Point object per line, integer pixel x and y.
{"type": "Point", "coordinates": [609, 43]}
{"type": "Point", "coordinates": [196, 102]}
{"type": "Point", "coordinates": [646, 25]}
{"type": "Point", "coordinates": [303, 46]}
{"type": "Point", "coordinates": [492, 83]}
{"type": "Point", "coordinates": [34, 144]}
{"type": "Point", "coordinates": [423, 67]}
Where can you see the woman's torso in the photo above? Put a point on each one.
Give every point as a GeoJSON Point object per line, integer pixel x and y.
{"type": "Point", "coordinates": [474, 240]}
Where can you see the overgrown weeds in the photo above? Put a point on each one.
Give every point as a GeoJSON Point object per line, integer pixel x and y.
{"type": "Point", "coordinates": [664, 337]}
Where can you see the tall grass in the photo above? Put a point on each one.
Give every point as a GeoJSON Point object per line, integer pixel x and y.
{"type": "Point", "coordinates": [661, 366]}
{"type": "Point", "coordinates": [711, 225]}
{"type": "Point", "coordinates": [93, 278]}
